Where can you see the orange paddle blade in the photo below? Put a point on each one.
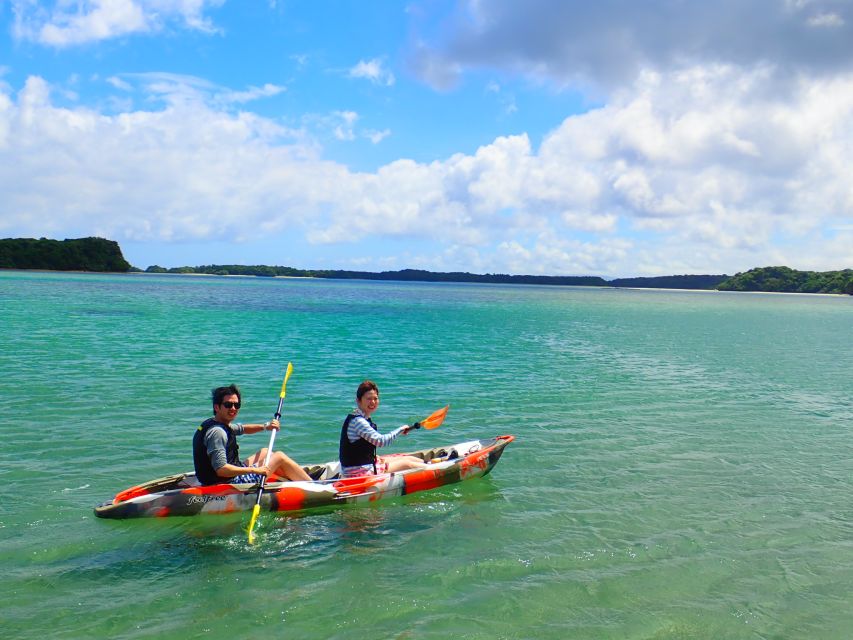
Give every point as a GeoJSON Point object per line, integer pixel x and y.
{"type": "Point", "coordinates": [435, 419]}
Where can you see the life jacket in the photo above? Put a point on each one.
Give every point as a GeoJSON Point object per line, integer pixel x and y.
{"type": "Point", "coordinates": [360, 452]}
{"type": "Point", "coordinates": [204, 470]}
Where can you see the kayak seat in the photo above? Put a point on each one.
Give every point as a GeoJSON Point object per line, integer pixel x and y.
{"type": "Point", "coordinates": [317, 472]}
{"type": "Point", "coordinates": [463, 449]}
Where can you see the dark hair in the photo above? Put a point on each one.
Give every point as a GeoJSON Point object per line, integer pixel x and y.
{"type": "Point", "coordinates": [220, 392]}
{"type": "Point", "coordinates": [364, 387]}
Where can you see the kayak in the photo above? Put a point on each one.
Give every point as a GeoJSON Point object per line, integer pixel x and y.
{"type": "Point", "coordinates": [183, 495]}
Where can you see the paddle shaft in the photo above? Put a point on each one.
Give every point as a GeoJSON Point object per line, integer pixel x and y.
{"type": "Point", "coordinates": [277, 416]}
{"type": "Point", "coordinates": [257, 508]}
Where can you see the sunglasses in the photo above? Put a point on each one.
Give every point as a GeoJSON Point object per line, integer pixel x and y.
{"type": "Point", "coordinates": [231, 405]}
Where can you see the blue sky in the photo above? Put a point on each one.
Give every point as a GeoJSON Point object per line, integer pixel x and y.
{"type": "Point", "coordinates": [612, 138]}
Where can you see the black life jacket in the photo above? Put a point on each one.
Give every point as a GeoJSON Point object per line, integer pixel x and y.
{"type": "Point", "coordinates": [204, 470]}
{"type": "Point", "coordinates": [360, 452]}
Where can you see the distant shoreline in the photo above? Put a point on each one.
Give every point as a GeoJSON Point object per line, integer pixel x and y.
{"type": "Point", "coordinates": [284, 277]}
{"type": "Point", "coordinates": [421, 275]}
{"type": "Point", "coordinates": [98, 255]}
{"type": "Point", "coordinates": [769, 293]}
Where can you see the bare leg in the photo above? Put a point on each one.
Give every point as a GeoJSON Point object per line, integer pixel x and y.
{"type": "Point", "coordinates": [401, 463]}
{"type": "Point", "coordinates": [280, 465]}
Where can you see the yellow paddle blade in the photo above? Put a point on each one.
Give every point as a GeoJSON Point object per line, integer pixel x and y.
{"type": "Point", "coordinates": [435, 419]}
{"type": "Point", "coordinates": [255, 511]}
{"type": "Point", "coordinates": [286, 376]}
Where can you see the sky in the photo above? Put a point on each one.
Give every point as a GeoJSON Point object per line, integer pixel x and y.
{"type": "Point", "coordinates": [557, 137]}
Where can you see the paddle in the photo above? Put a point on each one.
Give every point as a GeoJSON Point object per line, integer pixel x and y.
{"type": "Point", "coordinates": [433, 420]}
{"type": "Point", "coordinates": [257, 508]}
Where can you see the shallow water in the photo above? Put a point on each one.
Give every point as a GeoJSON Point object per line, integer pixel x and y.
{"type": "Point", "coordinates": [682, 463]}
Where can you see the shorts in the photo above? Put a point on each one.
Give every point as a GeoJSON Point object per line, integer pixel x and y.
{"type": "Point", "coordinates": [365, 470]}
{"type": "Point", "coordinates": [247, 478]}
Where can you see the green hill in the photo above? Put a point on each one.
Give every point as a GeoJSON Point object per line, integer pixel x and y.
{"type": "Point", "coordinates": [81, 254]}
{"type": "Point", "coordinates": [786, 280]}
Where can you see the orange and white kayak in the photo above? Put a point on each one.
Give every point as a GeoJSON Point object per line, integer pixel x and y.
{"type": "Point", "coordinates": [183, 495]}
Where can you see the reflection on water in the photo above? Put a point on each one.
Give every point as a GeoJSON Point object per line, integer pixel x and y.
{"type": "Point", "coordinates": [316, 535]}
{"type": "Point", "coordinates": [182, 544]}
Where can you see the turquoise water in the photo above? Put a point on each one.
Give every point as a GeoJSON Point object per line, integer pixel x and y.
{"type": "Point", "coordinates": [683, 463]}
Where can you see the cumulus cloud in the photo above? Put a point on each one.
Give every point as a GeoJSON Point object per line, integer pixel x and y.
{"type": "Point", "coordinates": [343, 126]}
{"type": "Point", "coordinates": [373, 70]}
{"type": "Point", "coordinates": [63, 24]}
{"type": "Point", "coordinates": [377, 136]}
{"type": "Point", "coordinates": [699, 170]}
{"type": "Point", "coordinates": [344, 130]}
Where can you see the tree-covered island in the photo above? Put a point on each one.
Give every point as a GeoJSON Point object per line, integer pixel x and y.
{"type": "Point", "coordinates": [786, 280]}
{"type": "Point", "coordinates": [80, 254]}
{"type": "Point", "coordinates": [100, 255]}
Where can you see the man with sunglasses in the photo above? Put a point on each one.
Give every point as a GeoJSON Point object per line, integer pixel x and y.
{"type": "Point", "coordinates": [216, 454]}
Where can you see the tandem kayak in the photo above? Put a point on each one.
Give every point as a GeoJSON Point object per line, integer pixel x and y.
{"type": "Point", "coordinates": [183, 495]}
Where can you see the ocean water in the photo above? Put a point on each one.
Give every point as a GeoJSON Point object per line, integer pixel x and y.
{"type": "Point", "coordinates": [683, 462]}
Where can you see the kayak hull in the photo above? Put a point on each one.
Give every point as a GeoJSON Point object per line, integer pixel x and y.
{"type": "Point", "coordinates": [182, 495]}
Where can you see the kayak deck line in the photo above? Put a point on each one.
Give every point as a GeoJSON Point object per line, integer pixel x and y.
{"type": "Point", "coordinates": [182, 495]}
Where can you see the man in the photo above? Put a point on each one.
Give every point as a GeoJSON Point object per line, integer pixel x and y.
{"type": "Point", "coordinates": [216, 454]}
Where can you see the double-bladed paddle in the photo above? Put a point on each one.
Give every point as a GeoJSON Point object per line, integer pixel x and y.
{"type": "Point", "coordinates": [257, 508]}
{"type": "Point", "coordinates": [433, 420]}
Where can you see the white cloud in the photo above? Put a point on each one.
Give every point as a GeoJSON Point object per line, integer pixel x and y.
{"type": "Point", "coordinates": [373, 70]}
{"type": "Point", "coordinates": [702, 170]}
{"type": "Point", "coordinates": [63, 24]}
{"type": "Point", "coordinates": [175, 88]}
{"type": "Point", "coordinates": [118, 83]}
{"type": "Point", "coordinates": [377, 136]}
{"type": "Point", "coordinates": [344, 126]}
{"type": "Point", "coordinates": [826, 20]}
{"type": "Point", "coordinates": [344, 130]}
{"type": "Point", "coordinates": [253, 93]}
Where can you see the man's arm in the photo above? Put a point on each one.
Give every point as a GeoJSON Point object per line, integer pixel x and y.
{"type": "Point", "coordinates": [266, 426]}
{"type": "Point", "coordinates": [215, 441]}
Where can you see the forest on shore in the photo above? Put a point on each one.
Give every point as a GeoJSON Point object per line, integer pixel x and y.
{"type": "Point", "coordinates": [79, 254]}
{"type": "Point", "coordinates": [101, 255]}
{"type": "Point", "coordinates": [786, 280]}
{"type": "Point", "coordinates": [420, 275]}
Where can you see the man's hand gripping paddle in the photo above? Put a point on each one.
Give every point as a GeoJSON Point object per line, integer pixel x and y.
{"type": "Point", "coordinates": [257, 508]}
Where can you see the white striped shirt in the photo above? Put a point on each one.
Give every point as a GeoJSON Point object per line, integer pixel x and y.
{"type": "Point", "coordinates": [359, 427]}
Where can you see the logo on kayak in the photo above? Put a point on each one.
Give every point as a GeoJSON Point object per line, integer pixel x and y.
{"type": "Point", "coordinates": [204, 499]}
